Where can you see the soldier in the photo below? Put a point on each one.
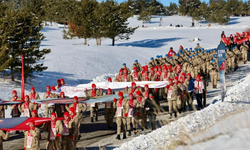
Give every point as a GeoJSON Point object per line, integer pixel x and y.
{"type": "Point", "coordinates": [151, 74]}
{"type": "Point", "coordinates": [184, 94]}
{"type": "Point", "coordinates": [63, 82]}
{"type": "Point", "coordinates": [55, 130]}
{"type": "Point", "coordinates": [136, 76]}
{"type": "Point", "coordinates": [133, 88]}
{"type": "Point", "coordinates": [33, 96]}
{"type": "Point", "coordinates": [58, 84]}
{"type": "Point", "coordinates": [213, 73]}
{"type": "Point", "coordinates": [126, 77]}
{"type": "Point", "coordinates": [76, 121]}
{"type": "Point", "coordinates": [236, 60]}
{"type": "Point", "coordinates": [198, 90]}
{"type": "Point", "coordinates": [198, 46]}
{"type": "Point", "coordinates": [171, 92]}
{"type": "Point", "coordinates": [124, 66]}
{"type": "Point", "coordinates": [132, 114]}
{"type": "Point", "coordinates": [137, 65]}
{"type": "Point", "coordinates": [94, 106]}
{"type": "Point", "coordinates": [3, 136]}
{"type": "Point", "coordinates": [228, 60]}
{"type": "Point", "coordinates": [109, 79]}
{"type": "Point", "coordinates": [79, 108]}
{"type": "Point", "coordinates": [157, 76]}
{"type": "Point", "coordinates": [31, 137]}
{"type": "Point", "coordinates": [180, 90]}
{"type": "Point", "coordinates": [152, 109]}
{"type": "Point", "coordinates": [2, 110]}
{"type": "Point", "coordinates": [109, 111]}
{"type": "Point", "coordinates": [118, 78]}
{"type": "Point", "coordinates": [34, 114]}
{"type": "Point", "coordinates": [164, 75]}
{"type": "Point", "coordinates": [151, 64]}
{"type": "Point", "coordinates": [27, 107]}
{"type": "Point", "coordinates": [189, 83]}
{"type": "Point", "coordinates": [244, 50]}
{"type": "Point", "coordinates": [47, 95]}
{"type": "Point", "coordinates": [122, 107]}
{"type": "Point", "coordinates": [145, 75]}
{"type": "Point", "coordinates": [14, 109]}
{"type": "Point", "coordinates": [141, 113]}
{"type": "Point", "coordinates": [60, 109]}
{"type": "Point", "coordinates": [68, 135]}
{"type": "Point", "coordinates": [171, 52]}
{"type": "Point", "coordinates": [171, 73]}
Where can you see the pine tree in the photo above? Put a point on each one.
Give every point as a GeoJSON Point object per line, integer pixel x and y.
{"type": "Point", "coordinates": [183, 10]}
{"type": "Point", "coordinates": [81, 20]}
{"type": "Point", "coordinates": [201, 13]}
{"type": "Point", "coordinates": [51, 10]}
{"type": "Point", "coordinates": [232, 7]}
{"type": "Point", "coordinates": [172, 9]}
{"type": "Point", "coordinates": [5, 58]}
{"type": "Point", "coordinates": [145, 15]}
{"type": "Point", "coordinates": [25, 38]}
{"type": "Point", "coordinates": [112, 21]}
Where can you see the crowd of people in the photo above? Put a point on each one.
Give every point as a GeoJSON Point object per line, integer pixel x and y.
{"type": "Point", "coordinates": [187, 72]}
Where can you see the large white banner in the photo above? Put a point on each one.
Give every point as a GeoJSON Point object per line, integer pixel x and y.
{"type": "Point", "coordinates": [79, 90]}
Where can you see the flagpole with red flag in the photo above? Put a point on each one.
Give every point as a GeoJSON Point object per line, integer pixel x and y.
{"type": "Point", "coordinates": [22, 88]}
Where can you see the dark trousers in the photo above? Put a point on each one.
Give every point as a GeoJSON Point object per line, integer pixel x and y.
{"type": "Point", "coordinates": [199, 100]}
{"type": "Point", "coordinates": [152, 121]}
{"type": "Point", "coordinates": [248, 55]}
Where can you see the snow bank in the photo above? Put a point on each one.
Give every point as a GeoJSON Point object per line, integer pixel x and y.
{"type": "Point", "coordinates": [230, 133]}
{"type": "Point", "coordinates": [237, 98]}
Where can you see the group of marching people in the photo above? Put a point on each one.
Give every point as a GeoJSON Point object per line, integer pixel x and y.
{"type": "Point", "coordinates": [187, 72]}
{"type": "Point", "coordinates": [62, 134]}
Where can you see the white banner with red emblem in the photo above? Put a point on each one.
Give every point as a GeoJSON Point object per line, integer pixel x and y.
{"type": "Point", "coordinates": [80, 89]}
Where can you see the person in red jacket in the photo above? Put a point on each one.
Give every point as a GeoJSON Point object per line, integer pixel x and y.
{"type": "Point", "coordinates": [171, 52]}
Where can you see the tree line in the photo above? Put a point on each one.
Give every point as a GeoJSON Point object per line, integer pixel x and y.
{"type": "Point", "coordinates": [216, 11]}
{"type": "Point", "coordinates": [23, 20]}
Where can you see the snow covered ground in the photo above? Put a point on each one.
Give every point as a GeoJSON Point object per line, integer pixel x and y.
{"type": "Point", "coordinates": [231, 133]}
{"type": "Point", "coordinates": [79, 64]}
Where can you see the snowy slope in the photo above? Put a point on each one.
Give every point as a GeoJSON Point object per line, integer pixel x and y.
{"type": "Point", "coordinates": [231, 133]}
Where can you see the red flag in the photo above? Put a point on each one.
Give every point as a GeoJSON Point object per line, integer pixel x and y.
{"type": "Point", "coordinates": [22, 90]}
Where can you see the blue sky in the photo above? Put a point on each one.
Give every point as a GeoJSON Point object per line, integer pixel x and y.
{"type": "Point", "coordinates": [164, 2]}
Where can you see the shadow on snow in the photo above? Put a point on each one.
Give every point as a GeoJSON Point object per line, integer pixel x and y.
{"type": "Point", "coordinates": [150, 43]}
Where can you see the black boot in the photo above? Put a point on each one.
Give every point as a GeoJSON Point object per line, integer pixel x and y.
{"type": "Point", "coordinates": [124, 136]}
{"type": "Point", "coordinates": [118, 137]}
{"type": "Point", "coordinates": [175, 115]}
{"type": "Point", "coordinates": [179, 110]}
{"type": "Point", "coordinates": [79, 137]}
{"type": "Point", "coordinates": [92, 119]}
{"type": "Point", "coordinates": [129, 133]}
{"type": "Point", "coordinates": [96, 118]}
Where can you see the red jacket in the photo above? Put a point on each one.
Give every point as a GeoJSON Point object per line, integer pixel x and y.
{"type": "Point", "coordinates": [170, 53]}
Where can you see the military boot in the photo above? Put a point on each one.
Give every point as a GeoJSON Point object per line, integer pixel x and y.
{"type": "Point", "coordinates": [124, 136]}
{"type": "Point", "coordinates": [118, 137]}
